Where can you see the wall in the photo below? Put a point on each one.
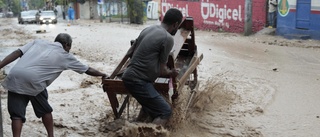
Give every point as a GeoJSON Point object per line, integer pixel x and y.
{"type": "Point", "coordinates": [108, 9]}
{"type": "Point", "coordinates": [219, 15]}
{"type": "Point", "coordinates": [85, 11]}
{"type": "Point", "coordinates": [287, 19]}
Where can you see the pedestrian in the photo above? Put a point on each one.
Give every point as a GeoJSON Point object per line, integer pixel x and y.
{"type": "Point", "coordinates": [38, 17]}
{"type": "Point", "coordinates": [55, 11]}
{"type": "Point", "coordinates": [71, 14]}
{"type": "Point", "coordinates": [149, 55]}
{"type": "Point", "coordinates": [40, 63]}
{"type": "Point", "coordinates": [272, 14]}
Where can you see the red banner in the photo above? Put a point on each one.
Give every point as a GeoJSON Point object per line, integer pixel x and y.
{"type": "Point", "coordinates": [211, 14]}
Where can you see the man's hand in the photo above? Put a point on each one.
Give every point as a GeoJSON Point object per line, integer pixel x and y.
{"type": "Point", "coordinates": [105, 76]}
{"type": "Point", "coordinates": [94, 72]}
{"type": "Point", "coordinates": [174, 73]}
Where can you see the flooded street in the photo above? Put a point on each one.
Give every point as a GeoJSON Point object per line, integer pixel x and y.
{"type": "Point", "coordinates": [255, 86]}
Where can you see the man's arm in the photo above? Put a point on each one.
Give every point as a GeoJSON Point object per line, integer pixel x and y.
{"type": "Point", "coordinates": [94, 72]}
{"type": "Point", "coordinates": [10, 58]}
{"type": "Point", "coordinates": [274, 2]}
{"type": "Point", "coordinates": [165, 71]}
{"type": "Point", "coordinates": [132, 48]}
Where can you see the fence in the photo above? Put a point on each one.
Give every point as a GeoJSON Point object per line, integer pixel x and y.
{"type": "Point", "coordinates": [123, 11]}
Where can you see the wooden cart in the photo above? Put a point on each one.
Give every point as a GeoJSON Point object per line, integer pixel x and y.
{"type": "Point", "coordinates": [183, 57]}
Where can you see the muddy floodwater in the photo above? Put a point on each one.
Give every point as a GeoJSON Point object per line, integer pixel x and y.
{"type": "Point", "coordinates": [254, 86]}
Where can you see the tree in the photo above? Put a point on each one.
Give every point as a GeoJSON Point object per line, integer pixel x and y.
{"type": "Point", "coordinates": [14, 5]}
{"type": "Point", "coordinates": [136, 13]}
{"type": "Point", "coordinates": [36, 4]}
{"type": "Point", "coordinates": [2, 5]}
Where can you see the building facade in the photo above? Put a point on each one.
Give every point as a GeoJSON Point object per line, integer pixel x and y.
{"type": "Point", "coordinates": [299, 19]}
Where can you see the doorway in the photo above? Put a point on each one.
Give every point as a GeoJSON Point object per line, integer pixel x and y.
{"type": "Point", "coordinates": [303, 14]}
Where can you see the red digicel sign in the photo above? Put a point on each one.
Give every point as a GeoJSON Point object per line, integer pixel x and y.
{"type": "Point", "coordinates": [210, 14]}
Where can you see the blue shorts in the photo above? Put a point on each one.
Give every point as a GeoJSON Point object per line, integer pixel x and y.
{"type": "Point", "coordinates": [151, 101]}
{"type": "Point", "coordinates": [17, 104]}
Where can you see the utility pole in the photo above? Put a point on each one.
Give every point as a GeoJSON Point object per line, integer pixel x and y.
{"type": "Point", "coordinates": [248, 18]}
{"type": "Point", "coordinates": [100, 7]}
{"type": "Point", "coordinates": [8, 7]}
{"type": "Point", "coordinates": [121, 12]}
{"type": "Point", "coordinates": [100, 2]}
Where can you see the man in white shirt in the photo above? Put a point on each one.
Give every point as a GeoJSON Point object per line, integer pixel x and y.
{"type": "Point", "coordinates": [40, 63]}
{"type": "Point", "coordinates": [272, 14]}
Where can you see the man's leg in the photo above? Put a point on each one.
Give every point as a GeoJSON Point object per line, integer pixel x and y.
{"type": "Point", "coordinates": [151, 101]}
{"type": "Point", "coordinates": [270, 19]}
{"type": "Point", "coordinates": [274, 18]}
{"type": "Point", "coordinates": [142, 116]}
{"type": "Point", "coordinates": [160, 121]}
{"type": "Point", "coordinates": [161, 110]}
{"type": "Point", "coordinates": [48, 123]}
{"type": "Point", "coordinates": [17, 104]}
{"type": "Point", "coordinates": [16, 126]}
{"type": "Point", "coordinates": [43, 109]}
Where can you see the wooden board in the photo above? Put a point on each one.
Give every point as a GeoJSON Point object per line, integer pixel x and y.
{"type": "Point", "coordinates": [116, 86]}
{"type": "Point", "coordinates": [179, 39]}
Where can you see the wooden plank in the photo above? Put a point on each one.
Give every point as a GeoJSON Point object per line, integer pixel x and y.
{"type": "Point", "coordinates": [116, 86]}
{"type": "Point", "coordinates": [190, 69]}
{"type": "Point", "coordinates": [118, 68]}
{"type": "Point", "coordinates": [125, 102]}
{"type": "Point", "coordinates": [179, 39]}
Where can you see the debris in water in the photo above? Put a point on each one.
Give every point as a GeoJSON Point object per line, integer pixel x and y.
{"type": "Point", "coordinates": [275, 69]}
{"type": "Point", "coordinates": [41, 31]}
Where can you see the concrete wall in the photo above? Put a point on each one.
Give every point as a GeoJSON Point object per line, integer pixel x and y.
{"type": "Point", "coordinates": [220, 15]}
{"type": "Point", "coordinates": [108, 9]}
{"type": "Point", "coordinates": [85, 10]}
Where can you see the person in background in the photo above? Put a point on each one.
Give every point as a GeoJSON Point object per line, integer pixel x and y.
{"type": "Point", "coordinates": [149, 56]}
{"type": "Point", "coordinates": [55, 11]}
{"type": "Point", "coordinates": [272, 13]}
{"type": "Point", "coordinates": [71, 14]}
{"type": "Point", "coordinates": [40, 63]}
{"type": "Point", "coordinates": [38, 17]}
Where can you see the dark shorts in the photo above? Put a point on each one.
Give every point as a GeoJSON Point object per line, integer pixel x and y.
{"type": "Point", "coordinates": [151, 101]}
{"type": "Point", "coordinates": [17, 104]}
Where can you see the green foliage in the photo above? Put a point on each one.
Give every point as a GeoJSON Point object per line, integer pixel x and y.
{"type": "Point", "coordinates": [66, 2]}
{"type": "Point", "coordinates": [36, 4]}
{"type": "Point", "coordinates": [63, 2]}
{"type": "Point", "coordinates": [60, 2]}
{"type": "Point", "coordinates": [136, 12]}
{"type": "Point", "coordinates": [119, 16]}
{"type": "Point", "coordinates": [81, 1]}
{"type": "Point", "coordinates": [2, 4]}
{"type": "Point", "coordinates": [15, 6]}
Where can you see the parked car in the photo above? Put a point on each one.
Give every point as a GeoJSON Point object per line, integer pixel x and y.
{"type": "Point", "coordinates": [25, 17]}
{"type": "Point", "coordinates": [35, 14]}
{"type": "Point", "coordinates": [1, 15]}
{"type": "Point", "coordinates": [48, 17]}
{"type": "Point", "coordinates": [30, 16]}
{"type": "Point", "coordinates": [9, 14]}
